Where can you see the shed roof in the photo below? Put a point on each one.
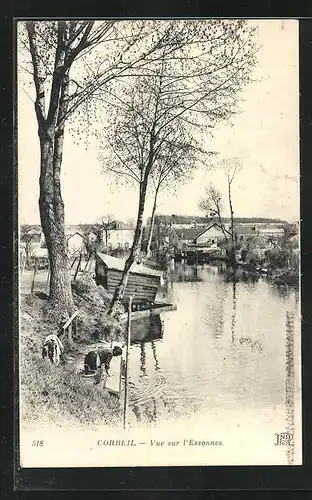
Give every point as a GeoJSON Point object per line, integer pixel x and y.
{"type": "Point", "coordinates": [119, 264]}
{"type": "Point", "coordinates": [194, 232]}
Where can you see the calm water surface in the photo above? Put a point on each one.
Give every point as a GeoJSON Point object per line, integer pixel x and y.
{"type": "Point", "coordinates": [228, 347]}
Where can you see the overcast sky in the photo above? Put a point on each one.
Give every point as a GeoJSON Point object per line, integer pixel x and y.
{"type": "Point", "coordinates": [265, 136]}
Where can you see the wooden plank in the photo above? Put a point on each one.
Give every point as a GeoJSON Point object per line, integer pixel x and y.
{"type": "Point", "coordinates": [137, 293]}
{"type": "Point", "coordinates": [68, 322]}
{"type": "Point", "coordinates": [144, 277]}
{"type": "Point", "coordinates": [133, 284]}
{"type": "Point", "coordinates": [144, 293]}
{"type": "Point", "coordinates": [137, 290]}
{"type": "Point", "coordinates": [139, 298]}
{"type": "Point", "coordinates": [136, 276]}
{"type": "Point", "coordinates": [150, 312]}
{"type": "Point", "coordinates": [143, 281]}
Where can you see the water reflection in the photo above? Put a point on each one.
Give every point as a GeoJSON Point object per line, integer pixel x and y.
{"type": "Point", "coordinates": [186, 273]}
{"type": "Point", "coordinates": [146, 329]}
{"type": "Point", "coordinates": [153, 346]}
{"type": "Point", "coordinates": [233, 318]}
{"type": "Point", "coordinates": [284, 291]}
{"type": "Point", "coordinates": [143, 358]}
{"type": "Point", "coordinates": [224, 349]}
{"type": "Point", "coordinates": [145, 394]}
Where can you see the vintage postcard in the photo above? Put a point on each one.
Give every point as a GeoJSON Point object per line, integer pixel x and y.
{"type": "Point", "coordinates": [159, 236]}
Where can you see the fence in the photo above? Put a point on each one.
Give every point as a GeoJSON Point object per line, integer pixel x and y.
{"type": "Point", "coordinates": [37, 278]}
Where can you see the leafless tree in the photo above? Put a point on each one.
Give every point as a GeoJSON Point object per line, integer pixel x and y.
{"type": "Point", "coordinates": [70, 63]}
{"type": "Point", "coordinates": [131, 223]}
{"type": "Point", "coordinates": [26, 236]}
{"type": "Point", "coordinates": [176, 165]}
{"type": "Point", "coordinates": [212, 205]}
{"type": "Point", "coordinates": [231, 167]}
{"type": "Point", "coordinates": [105, 224]}
{"type": "Point", "coordinates": [182, 97]}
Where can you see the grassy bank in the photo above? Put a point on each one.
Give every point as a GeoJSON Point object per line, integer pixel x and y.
{"type": "Point", "coordinates": [58, 393]}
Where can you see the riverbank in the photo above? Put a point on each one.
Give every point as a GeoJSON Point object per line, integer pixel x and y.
{"type": "Point", "coordinates": [285, 277]}
{"type": "Point", "coordinates": [58, 393]}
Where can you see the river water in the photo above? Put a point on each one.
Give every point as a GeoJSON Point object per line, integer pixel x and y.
{"type": "Point", "coordinates": [229, 351]}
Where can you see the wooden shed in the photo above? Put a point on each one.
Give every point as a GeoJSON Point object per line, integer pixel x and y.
{"type": "Point", "coordinates": [143, 282]}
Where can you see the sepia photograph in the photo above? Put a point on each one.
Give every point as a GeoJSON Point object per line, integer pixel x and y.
{"type": "Point", "coordinates": [159, 242]}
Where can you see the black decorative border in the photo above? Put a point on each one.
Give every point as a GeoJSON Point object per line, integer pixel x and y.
{"type": "Point", "coordinates": [174, 478]}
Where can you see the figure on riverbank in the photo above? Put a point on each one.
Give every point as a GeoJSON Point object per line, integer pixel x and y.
{"type": "Point", "coordinates": [106, 355]}
{"type": "Point", "coordinates": [52, 349]}
{"type": "Point", "coordinates": [92, 362]}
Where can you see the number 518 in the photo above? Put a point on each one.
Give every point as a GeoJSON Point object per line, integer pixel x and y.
{"type": "Point", "coordinates": [36, 442]}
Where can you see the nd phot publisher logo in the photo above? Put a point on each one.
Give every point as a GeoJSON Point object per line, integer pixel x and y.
{"type": "Point", "coordinates": [283, 438]}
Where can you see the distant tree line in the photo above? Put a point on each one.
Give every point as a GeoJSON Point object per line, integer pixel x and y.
{"type": "Point", "coordinates": [189, 219]}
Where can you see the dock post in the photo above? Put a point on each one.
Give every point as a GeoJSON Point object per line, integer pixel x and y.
{"type": "Point", "coordinates": [125, 419]}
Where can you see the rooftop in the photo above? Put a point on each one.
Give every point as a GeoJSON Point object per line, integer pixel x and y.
{"type": "Point", "coordinates": [194, 232]}
{"type": "Point", "coordinates": [119, 264]}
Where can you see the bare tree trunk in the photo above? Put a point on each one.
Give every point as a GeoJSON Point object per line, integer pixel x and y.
{"type": "Point", "coordinates": [232, 251]}
{"type": "Point", "coordinates": [51, 208]}
{"type": "Point", "coordinates": [51, 137]}
{"type": "Point", "coordinates": [135, 250]}
{"type": "Point", "coordinates": [151, 228]}
{"type": "Point", "coordinates": [220, 221]}
{"type": "Point", "coordinates": [232, 214]}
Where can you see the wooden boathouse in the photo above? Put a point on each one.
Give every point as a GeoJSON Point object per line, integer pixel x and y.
{"type": "Point", "coordinates": [143, 282]}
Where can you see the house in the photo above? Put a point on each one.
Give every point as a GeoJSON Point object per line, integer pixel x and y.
{"type": "Point", "coordinates": [187, 236]}
{"type": "Point", "coordinates": [211, 235]}
{"type": "Point", "coordinates": [180, 237]}
{"type": "Point", "coordinates": [272, 232]}
{"type": "Point", "coordinates": [263, 237]}
{"type": "Point", "coordinates": [75, 243]}
{"type": "Point", "coordinates": [118, 236]}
